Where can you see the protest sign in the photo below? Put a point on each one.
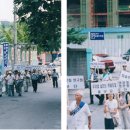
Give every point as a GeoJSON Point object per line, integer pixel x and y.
{"type": "Point", "coordinates": [99, 65]}
{"type": "Point", "coordinates": [124, 75]}
{"type": "Point", "coordinates": [75, 82]}
{"type": "Point", "coordinates": [124, 85]}
{"type": "Point", "coordinates": [104, 87]}
{"type": "Point", "coordinates": [120, 62]}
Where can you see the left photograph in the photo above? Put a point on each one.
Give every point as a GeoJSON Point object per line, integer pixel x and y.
{"type": "Point", "coordinates": [30, 64]}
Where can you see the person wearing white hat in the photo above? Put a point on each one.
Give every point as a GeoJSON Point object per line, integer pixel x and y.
{"type": "Point", "coordinates": [79, 111]}
{"type": "Point", "coordinates": [10, 82]}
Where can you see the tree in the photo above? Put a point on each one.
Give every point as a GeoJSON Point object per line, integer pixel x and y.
{"type": "Point", "coordinates": [43, 18]}
{"type": "Point", "coordinates": [22, 33]}
{"type": "Point", "coordinates": [74, 36]}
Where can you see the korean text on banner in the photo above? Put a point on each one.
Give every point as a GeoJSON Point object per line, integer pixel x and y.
{"type": "Point", "coordinates": [100, 65]}
{"type": "Point", "coordinates": [5, 54]}
{"type": "Point", "coordinates": [105, 87]}
{"type": "Point", "coordinates": [124, 75]}
{"type": "Point", "coordinates": [75, 82]}
{"type": "Point", "coordinates": [124, 85]}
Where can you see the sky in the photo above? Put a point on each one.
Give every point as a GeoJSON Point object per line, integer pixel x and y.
{"type": "Point", "coordinates": [6, 10]}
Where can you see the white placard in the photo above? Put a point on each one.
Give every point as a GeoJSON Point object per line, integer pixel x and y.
{"type": "Point", "coordinates": [75, 82]}
{"type": "Point", "coordinates": [104, 87]}
{"type": "Point", "coordinates": [120, 62]}
{"type": "Point", "coordinates": [124, 85]}
{"type": "Point", "coordinates": [31, 67]}
{"type": "Point", "coordinates": [100, 65]}
{"type": "Point", "coordinates": [124, 75]}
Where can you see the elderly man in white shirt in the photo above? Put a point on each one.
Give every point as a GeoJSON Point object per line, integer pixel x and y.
{"type": "Point", "coordinates": [79, 111]}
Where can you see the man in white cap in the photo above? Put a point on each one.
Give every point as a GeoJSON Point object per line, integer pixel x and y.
{"type": "Point", "coordinates": [79, 111]}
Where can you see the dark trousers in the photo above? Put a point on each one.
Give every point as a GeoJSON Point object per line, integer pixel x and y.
{"type": "Point", "coordinates": [44, 78]}
{"type": "Point", "coordinates": [19, 88]}
{"type": "Point", "coordinates": [101, 98]}
{"type": "Point", "coordinates": [34, 84]}
{"type": "Point", "coordinates": [91, 96]}
{"type": "Point", "coordinates": [55, 82]}
{"type": "Point", "coordinates": [109, 124]}
{"type": "Point", "coordinates": [10, 90]}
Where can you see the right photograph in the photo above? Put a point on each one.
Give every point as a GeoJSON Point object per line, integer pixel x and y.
{"type": "Point", "coordinates": [98, 64]}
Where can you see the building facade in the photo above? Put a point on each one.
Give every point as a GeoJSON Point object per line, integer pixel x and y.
{"type": "Point", "coordinates": [98, 13]}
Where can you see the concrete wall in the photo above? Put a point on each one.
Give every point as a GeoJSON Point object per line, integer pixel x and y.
{"type": "Point", "coordinates": [76, 62]}
{"type": "Point", "coordinates": [113, 44]}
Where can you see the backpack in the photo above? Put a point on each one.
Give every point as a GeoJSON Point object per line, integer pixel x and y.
{"type": "Point", "coordinates": [34, 77]}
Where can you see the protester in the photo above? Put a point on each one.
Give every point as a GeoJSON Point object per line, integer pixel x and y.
{"type": "Point", "coordinates": [34, 78]}
{"type": "Point", "coordinates": [44, 76]}
{"type": "Point", "coordinates": [27, 80]}
{"type": "Point", "coordinates": [105, 77]}
{"type": "Point", "coordinates": [124, 110]}
{"type": "Point", "coordinates": [111, 113]}
{"type": "Point", "coordinates": [19, 83]}
{"type": "Point", "coordinates": [79, 111]}
{"type": "Point", "coordinates": [5, 83]}
{"type": "Point", "coordinates": [10, 82]}
{"type": "Point", "coordinates": [55, 77]}
{"type": "Point", "coordinates": [49, 74]}
{"type": "Point", "coordinates": [1, 84]}
{"type": "Point", "coordinates": [93, 78]}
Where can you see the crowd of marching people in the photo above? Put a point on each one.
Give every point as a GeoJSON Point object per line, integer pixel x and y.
{"type": "Point", "coordinates": [116, 106]}
{"type": "Point", "coordinates": [15, 82]}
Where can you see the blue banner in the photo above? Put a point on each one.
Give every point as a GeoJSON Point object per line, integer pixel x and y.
{"type": "Point", "coordinates": [5, 54]}
{"type": "Point", "coordinates": [96, 35]}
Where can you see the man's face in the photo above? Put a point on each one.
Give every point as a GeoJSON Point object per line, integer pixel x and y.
{"type": "Point", "coordinates": [78, 97]}
{"type": "Point", "coordinates": [110, 96]}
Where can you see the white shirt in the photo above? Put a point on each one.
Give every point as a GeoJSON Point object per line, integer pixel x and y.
{"type": "Point", "coordinates": [10, 79]}
{"type": "Point", "coordinates": [111, 105]}
{"type": "Point", "coordinates": [1, 78]}
{"type": "Point", "coordinates": [79, 120]}
{"type": "Point", "coordinates": [92, 77]}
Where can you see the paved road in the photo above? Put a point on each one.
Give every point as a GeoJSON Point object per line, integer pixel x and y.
{"type": "Point", "coordinates": [41, 110]}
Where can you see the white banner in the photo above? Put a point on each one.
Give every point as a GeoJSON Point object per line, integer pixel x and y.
{"type": "Point", "coordinates": [124, 75]}
{"type": "Point", "coordinates": [120, 62]}
{"type": "Point", "coordinates": [106, 87]}
{"type": "Point", "coordinates": [30, 67]}
{"type": "Point", "coordinates": [99, 65]}
{"type": "Point", "coordinates": [75, 82]}
{"type": "Point", "coordinates": [124, 85]}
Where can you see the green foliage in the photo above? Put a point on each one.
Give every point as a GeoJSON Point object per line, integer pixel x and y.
{"type": "Point", "coordinates": [43, 18]}
{"type": "Point", "coordinates": [74, 36]}
{"type": "Point", "coordinates": [22, 33]}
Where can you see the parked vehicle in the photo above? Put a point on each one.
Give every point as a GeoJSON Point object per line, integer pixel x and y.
{"type": "Point", "coordinates": [107, 61]}
{"type": "Point", "coordinates": [126, 56]}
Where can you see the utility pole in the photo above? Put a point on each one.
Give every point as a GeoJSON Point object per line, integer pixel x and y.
{"type": "Point", "coordinates": [15, 36]}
